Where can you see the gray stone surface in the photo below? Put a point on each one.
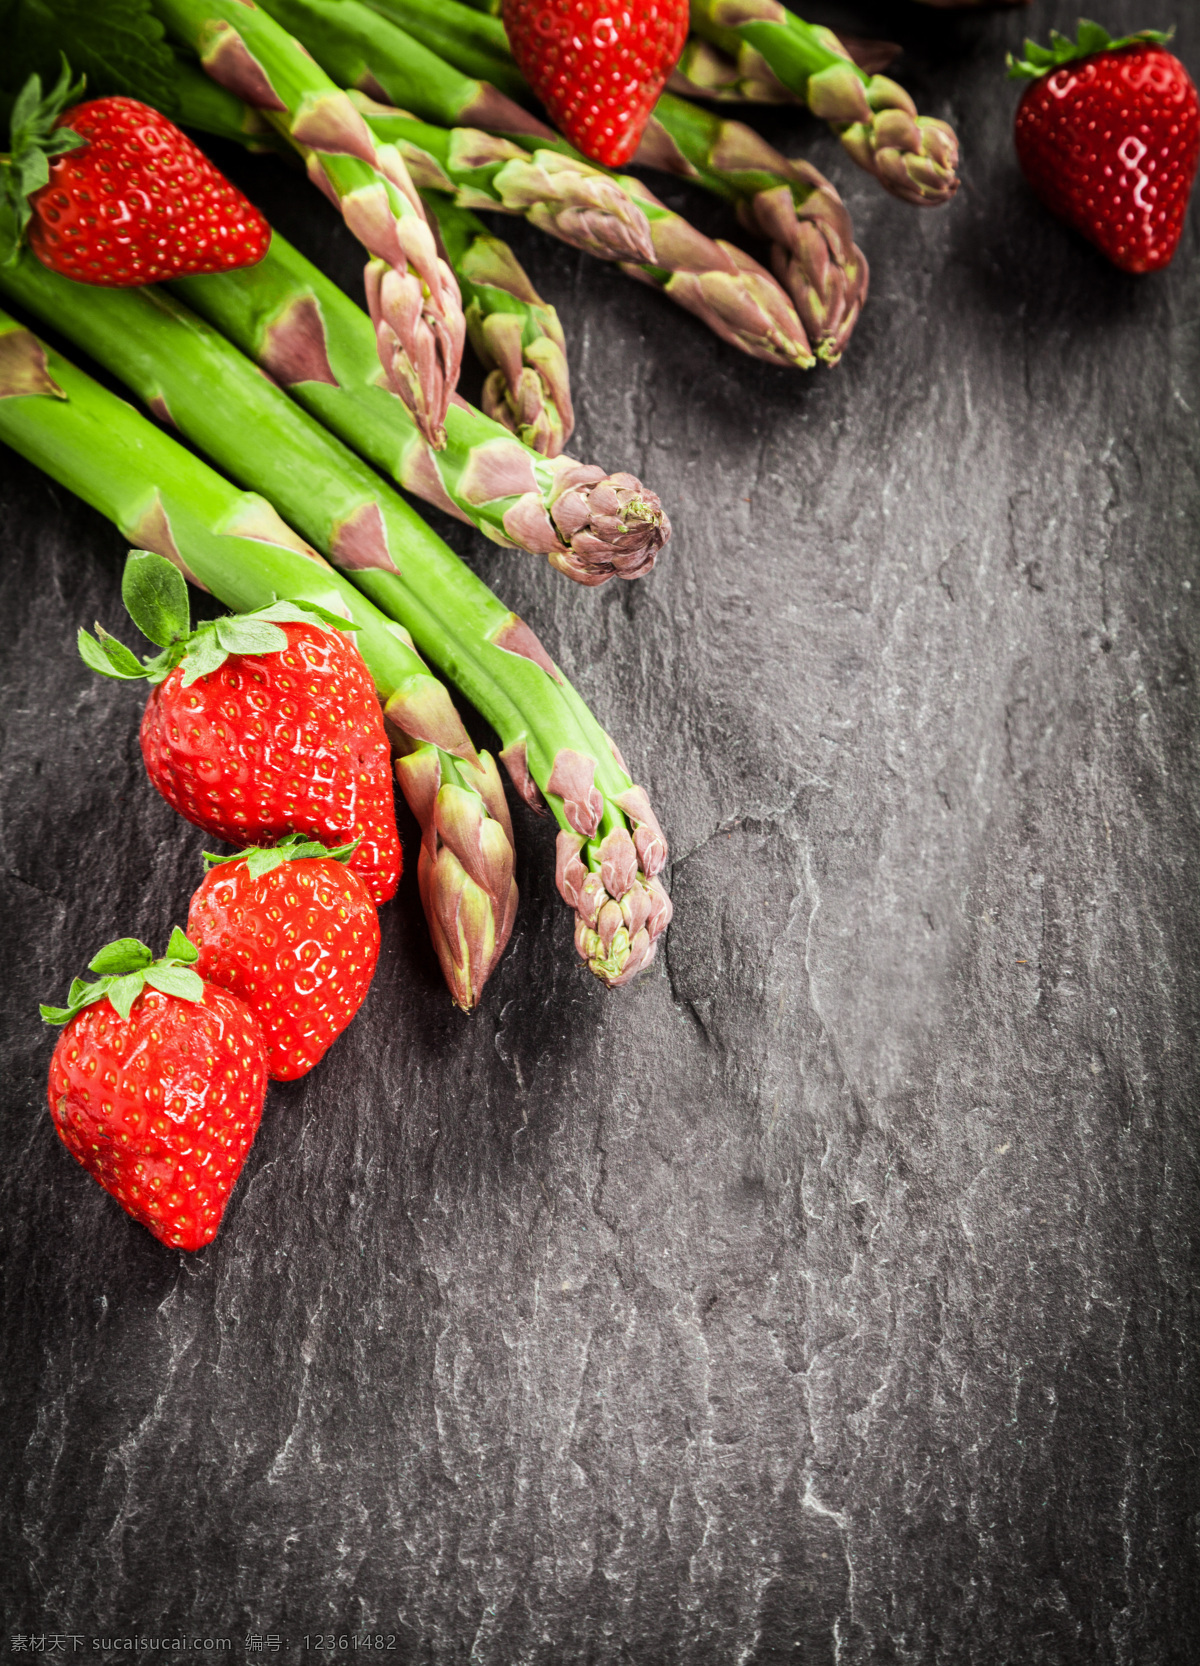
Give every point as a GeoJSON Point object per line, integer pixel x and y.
{"type": "Point", "coordinates": [830, 1295]}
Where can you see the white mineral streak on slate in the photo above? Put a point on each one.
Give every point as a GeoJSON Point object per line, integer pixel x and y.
{"type": "Point", "coordinates": [829, 1294]}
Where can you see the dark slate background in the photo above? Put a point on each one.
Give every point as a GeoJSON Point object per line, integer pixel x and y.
{"type": "Point", "coordinates": [829, 1295]}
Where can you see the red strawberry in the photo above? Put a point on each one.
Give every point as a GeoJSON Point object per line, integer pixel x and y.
{"type": "Point", "coordinates": [157, 1086]}
{"type": "Point", "coordinates": [1108, 135]}
{"type": "Point", "coordinates": [292, 932]}
{"type": "Point", "coordinates": [596, 68]}
{"type": "Point", "coordinates": [261, 724]}
{"type": "Point", "coordinates": [113, 193]}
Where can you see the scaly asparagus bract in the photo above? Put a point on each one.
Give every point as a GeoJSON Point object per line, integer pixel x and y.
{"type": "Point", "coordinates": [234, 544]}
{"type": "Point", "coordinates": [553, 746]}
{"type": "Point", "coordinates": [790, 203]}
{"type": "Point", "coordinates": [914, 157]}
{"type": "Point", "coordinates": [414, 300]}
{"type": "Point", "coordinates": [300, 327]}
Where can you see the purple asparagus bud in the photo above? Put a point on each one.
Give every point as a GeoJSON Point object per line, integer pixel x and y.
{"type": "Point", "coordinates": [737, 298]}
{"type": "Point", "coordinates": [573, 202]}
{"type": "Point", "coordinates": [814, 255]}
{"type": "Point", "coordinates": [465, 866]}
{"type": "Point", "coordinates": [419, 333]}
{"type": "Point", "coordinates": [620, 906]}
{"type": "Point", "coordinates": [914, 157]}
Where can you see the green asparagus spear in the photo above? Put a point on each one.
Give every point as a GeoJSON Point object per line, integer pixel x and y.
{"type": "Point", "coordinates": [528, 388]}
{"type": "Point", "coordinates": [233, 543]}
{"type": "Point", "coordinates": [611, 848]}
{"type": "Point", "coordinates": [795, 207]}
{"type": "Point", "coordinates": [413, 298]}
{"type": "Point", "coordinates": [460, 35]}
{"type": "Point", "coordinates": [914, 157]}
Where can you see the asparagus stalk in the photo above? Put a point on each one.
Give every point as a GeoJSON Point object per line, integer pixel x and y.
{"type": "Point", "coordinates": [914, 157]}
{"type": "Point", "coordinates": [460, 35]}
{"type": "Point", "coordinates": [795, 207]}
{"type": "Point", "coordinates": [414, 301]}
{"type": "Point", "coordinates": [611, 848]}
{"type": "Point", "coordinates": [515, 334]}
{"type": "Point", "coordinates": [299, 326]}
{"type": "Point", "coordinates": [234, 544]}
{"type": "Point", "coordinates": [358, 48]}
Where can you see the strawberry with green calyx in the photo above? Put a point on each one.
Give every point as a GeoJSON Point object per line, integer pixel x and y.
{"type": "Point", "coordinates": [259, 724]}
{"type": "Point", "coordinates": [1108, 136]}
{"type": "Point", "coordinates": [292, 932]}
{"type": "Point", "coordinates": [110, 192]}
{"type": "Point", "coordinates": [157, 1086]}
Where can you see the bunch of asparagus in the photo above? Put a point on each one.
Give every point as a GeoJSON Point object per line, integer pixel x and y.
{"type": "Point", "coordinates": [363, 552]}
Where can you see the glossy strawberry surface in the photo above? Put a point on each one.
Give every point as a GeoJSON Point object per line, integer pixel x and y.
{"type": "Point", "coordinates": [1110, 143]}
{"type": "Point", "coordinates": [277, 743]}
{"type": "Point", "coordinates": [598, 69]}
{"type": "Point", "coordinates": [139, 203]}
{"type": "Point", "coordinates": [162, 1107]}
{"type": "Point", "coordinates": [298, 945]}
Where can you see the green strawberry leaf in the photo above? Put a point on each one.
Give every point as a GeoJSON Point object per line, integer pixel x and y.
{"type": "Point", "coordinates": [247, 633]}
{"type": "Point", "coordinates": [204, 656]}
{"type": "Point", "coordinates": [181, 948]}
{"type": "Point", "coordinates": [1090, 39]}
{"type": "Point", "coordinates": [101, 656]}
{"type": "Point", "coordinates": [180, 981]}
{"type": "Point", "coordinates": [299, 613]}
{"type": "Point", "coordinates": [155, 593]}
{"type": "Point", "coordinates": [129, 966]}
{"type": "Point", "coordinates": [118, 44]}
{"type": "Point", "coordinates": [127, 954]}
{"type": "Point", "coordinates": [123, 992]}
{"type": "Point", "coordinates": [296, 847]}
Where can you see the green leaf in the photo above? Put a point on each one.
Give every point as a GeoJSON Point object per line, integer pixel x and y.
{"type": "Point", "coordinates": [123, 992]}
{"type": "Point", "coordinates": [181, 948]}
{"type": "Point", "coordinates": [119, 45]}
{"type": "Point", "coordinates": [99, 657]}
{"type": "Point", "coordinates": [260, 861]}
{"type": "Point", "coordinates": [204, 656]}
{"type": "Point", "coordinates": [180, 981]}
{"type": "Point", "coordinates": [155, 593]}
{"type": "Point", "coordinates": [1090, 39]}
{"type": "Point", "coordinates": [301, 612]}
{"type": "Point", "coordinates": [56, 1015]}
{"type": "Point", "coordinates": [244, 634]}
{"type": "Point", "coordinates": [127, 954]}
